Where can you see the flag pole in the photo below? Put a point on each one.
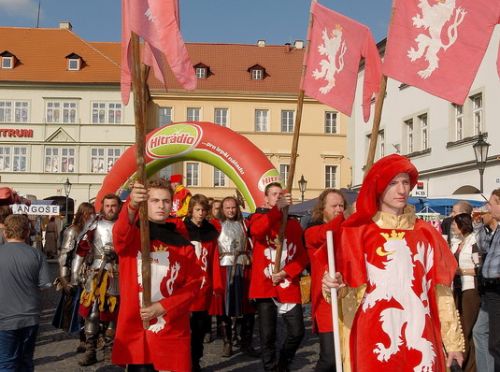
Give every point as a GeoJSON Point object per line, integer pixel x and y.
{"type": "Point", "coordinates": [377, 117]}
{"type": "Point", "coordinates": [293, 154]}
{"type": "Point", "coordinates": [139, 81]}
{"type": "Point", "coordinates": [334, 301]}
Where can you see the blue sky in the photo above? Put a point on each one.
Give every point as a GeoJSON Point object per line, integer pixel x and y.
{"type": "Point", "coordinates": [215, 21]}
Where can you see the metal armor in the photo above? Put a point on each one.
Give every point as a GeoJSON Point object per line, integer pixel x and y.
{"type": "Point", "coordinates": [102, 250]}
{"type": "Point", "coordinates": [232, 244]}
{"type": "Point", "coordinates": [67, 251]}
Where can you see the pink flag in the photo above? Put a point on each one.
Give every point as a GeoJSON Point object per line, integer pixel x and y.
{"type": "Point", "coordinates": [438, 45]}
{"type": "Point", "coordinates": [156, 22]}
{"type": "Point", "coordinates": [337, 44]}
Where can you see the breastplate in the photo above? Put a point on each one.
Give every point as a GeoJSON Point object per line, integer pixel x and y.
{"type": "Point", "coordinates": [232, 243]}
{"type": "Point", "coordinates": [103, 241]}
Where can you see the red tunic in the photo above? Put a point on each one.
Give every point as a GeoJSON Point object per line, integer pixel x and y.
{"type": "Point", "coordinates": [264, 228]}
{"type": "Point", "coordinates": [315, 239]}
{"type": "Point", "coordinates": [175, 281]}
{"type": "Point", "coordinates": [204, 238]}
{"type": "Point", "coordinates": [396, 327]}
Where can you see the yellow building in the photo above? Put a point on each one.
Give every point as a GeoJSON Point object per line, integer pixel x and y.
{"type": "Point", "coordinates": [66, 92]}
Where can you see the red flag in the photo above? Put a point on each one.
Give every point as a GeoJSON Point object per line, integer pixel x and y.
{"type": "Point", "coordinates": [156, 22]}
{"type": "Point", "coordinates": [438, 45]}
{"type": "Point", "coordinates": [337, 44]}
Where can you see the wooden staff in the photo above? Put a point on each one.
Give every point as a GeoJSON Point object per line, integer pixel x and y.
{"type": "Point", "coordinates": [379, 105]}
{"type": "Point", "coordinates": [293, 156]}
{"type": "Point", "coordinates": [139, 81]}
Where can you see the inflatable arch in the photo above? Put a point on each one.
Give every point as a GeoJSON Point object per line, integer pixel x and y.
{"type": "Point", "coordinates": [233, 154]}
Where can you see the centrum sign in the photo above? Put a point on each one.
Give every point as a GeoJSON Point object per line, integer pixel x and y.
{"type": "Point", "coordinates": [35, 210]}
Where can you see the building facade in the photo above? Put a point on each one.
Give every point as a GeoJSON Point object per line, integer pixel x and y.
{"type": "Point", "coordinates": [436, 135]}
{"type": "Point", "coordinates": [61, 115]}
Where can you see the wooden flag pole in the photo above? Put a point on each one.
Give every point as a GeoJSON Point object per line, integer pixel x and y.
{"type": "Point", "coordinates": [379, 105]}
{"type": "Point", "coordinates": [139, 81]}
{"type": "Point", "coordinates": [293, 155]}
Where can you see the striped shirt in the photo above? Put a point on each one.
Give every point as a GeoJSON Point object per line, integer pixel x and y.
{"type": "Point", "coordinates": [489, 245]}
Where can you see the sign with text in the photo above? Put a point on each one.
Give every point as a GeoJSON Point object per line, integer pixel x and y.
{"type": "Point", "coordinates": [420, 189]}
{"type": "Point", "coordinates": [35, 209]}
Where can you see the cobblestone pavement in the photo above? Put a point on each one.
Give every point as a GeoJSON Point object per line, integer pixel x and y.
{"type": "Point", "coordinates": [55, 350]}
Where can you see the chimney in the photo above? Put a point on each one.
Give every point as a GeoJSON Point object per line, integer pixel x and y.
{"type": "Point", "coordinates": [298, 44]}
{"type": "Point", "coordinates": [261, 43]}
{"type": "Point", "coordinates": [288, 47]}
{"type": "Point", "coordinates": [65, 25]}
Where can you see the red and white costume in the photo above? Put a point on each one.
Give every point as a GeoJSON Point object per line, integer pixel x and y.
{"type": "Point", "coordinates": [264, 228]}
{"type": "Point", "coordinates": [315, 240]}
{"type": "Point", "coordinates": [175, 282]}
{"type": "Point", "coordinates": [405, 264]}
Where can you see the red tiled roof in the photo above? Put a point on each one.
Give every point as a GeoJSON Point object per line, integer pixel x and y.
{"type": "Point", "coordinates": [42, 52]}
{"type": "Point", "coordinates": [41, 55]}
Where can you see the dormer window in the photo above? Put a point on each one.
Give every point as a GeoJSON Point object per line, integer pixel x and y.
{"type": "Point", "coordinates": [75, 62]}
{"type": "Point", "coordinates": [8, 60]}
{"type": "Point", "coordinates": [202, 71]}
{"type": "Point", "coordinates": [257, 72]}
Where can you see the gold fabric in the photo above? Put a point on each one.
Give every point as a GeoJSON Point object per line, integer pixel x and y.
{"type": "Point", "coordinates": [405, 221]}
{"type": "Point", "coordinates": [451, 328]}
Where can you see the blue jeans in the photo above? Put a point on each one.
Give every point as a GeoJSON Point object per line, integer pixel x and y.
{"type": "Point", "coordinates": [17, 348]}
{"type": "Point", "coordinates": [480, 333]}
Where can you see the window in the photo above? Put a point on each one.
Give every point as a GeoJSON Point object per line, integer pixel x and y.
{"type": "Point", "coordinates": [261, 120]}
{"type": "Point", "coordinates": [192, 174]}
{"type": "Point", "coordinates": [193, 114]}
{"type": "Point", "coordinates": [287, 121]}
{"type": "Point", "coordinates": [201, 72]}
{"type": "Point", "coordinates": [220, 116]}
{"type": "Point", "coordinates": [164, 116]}
{"type": "Point", "coordinates": [106, 113]}
{"type": "Point", "coordinates": [424, 132]}
{"type": "Point", "coordinates": [477, 113]}
{"type": "Point", "coordinates": [5, 111]}
{"type": "Point", "coordinates": [381, 144]}
{"type": "Point", "coordinates": [61, 112]}
{"type": "Point", "coordinates": [459, 122]}
{"type": "Point", "coordinates": [20, 159]}
{"type": "Point", "coordinates": [73, 64]}
{"type": "Point", "coordinates": [7, 62]}
{"type": "Point", "coordinates": [103, 159]}
{"type": "Point", "coordinates": [409, 136]}
{"type": "Point", "coordinates": [5, 158]}
{"type": "Point", "coordinates": [284, 168]}
{"type": "Point", "coordinates": [331, 176]}
{"type": "Point", "coordinates": [13, 159]}
{"type": "Point", "coordinates": [59, 160]}
{"type": "Point", "coordinates": [330, 122]}
{"type": "Point", "coordinates": [19, 108]}
{"type": "Point", "coordinates": [257, 74]}
{"type": "Point", "coordinates": [219, 178]}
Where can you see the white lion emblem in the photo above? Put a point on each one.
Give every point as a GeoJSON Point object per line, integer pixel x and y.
{"type": "Point", "coordinates": [433, 18]}
{"type": "Point", "coordinates": [330, 48]}
{"type": "Point", "coordinates": [161, 271]}
{"type": "Point", "coordinates": [287, 254]}
{"type": "Point", "coordinates": [394, 282]}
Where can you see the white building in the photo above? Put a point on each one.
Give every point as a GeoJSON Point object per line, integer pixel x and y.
{"type": "Point", "coordinates": [435, 134]}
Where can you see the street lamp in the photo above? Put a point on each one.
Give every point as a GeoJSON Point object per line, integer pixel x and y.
{"type": "Point", "coordinates": [302, 186]}
{"type": "Point", "coordinates": [67, 190]}
{"type": "Point", "coordinates": [481, 152]}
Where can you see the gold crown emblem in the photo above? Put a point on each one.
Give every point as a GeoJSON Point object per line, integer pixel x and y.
{"type": "Point", "coordinates": [339, 27]}
{"type": "Point", "coordinates": [161, 248]}
{"type": "Point", "coordinates": [394, 235]}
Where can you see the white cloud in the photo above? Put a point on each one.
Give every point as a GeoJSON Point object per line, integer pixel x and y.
{"type": "Point", "coordinates": [22, 8]}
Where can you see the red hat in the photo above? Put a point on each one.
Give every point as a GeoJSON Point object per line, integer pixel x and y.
{"type": "Point", "coordinates": [177, 178]}
{"type": "Point", "coordinates": [374, 184]}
